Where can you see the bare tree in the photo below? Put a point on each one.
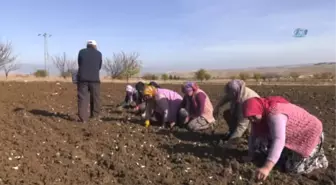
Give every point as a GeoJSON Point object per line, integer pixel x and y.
{"type": "Point", "coordinates": [60, 63]}
{"type": "Point", "coordinates": [131, 65]}
{"type": "Point", "coordinates": [71, 65]}
{"type": "Point", "coordinates": [114, 67]}
{"type": "Point", "coordinates": [9, 67]}
{"type": "Point", "coordinates": [65, 66]}
{"type": "Point", "coordinates": [6, 54]}
{"type": "Point", "coordinates": [122, 65]}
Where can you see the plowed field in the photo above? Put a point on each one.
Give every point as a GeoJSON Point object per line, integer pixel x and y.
{"type": "Point", "coordinates": [40, 142]}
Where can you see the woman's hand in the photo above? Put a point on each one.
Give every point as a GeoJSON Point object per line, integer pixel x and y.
{"type": "Point", "coordinates": [171, 125]}
{"type": "Point", "coordinates": [262, 173]}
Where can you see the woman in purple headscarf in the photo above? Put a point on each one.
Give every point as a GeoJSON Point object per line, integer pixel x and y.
{"type": "Point", "coordinates": [236, 93]}
{"type": "Point", "coordinates": [196, 110]}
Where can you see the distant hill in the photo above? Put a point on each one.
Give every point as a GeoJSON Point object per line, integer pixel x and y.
{"type": "Point", "coordinates": [307, 69]}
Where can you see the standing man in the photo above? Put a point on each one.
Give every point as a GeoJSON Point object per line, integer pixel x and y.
{"type": "Point", "coordinates": [88, 87]}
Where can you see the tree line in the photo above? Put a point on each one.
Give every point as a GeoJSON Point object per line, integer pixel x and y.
{"type": "Point", "coordinates": [201, 75]}
{"type": "Point", "coordinates": [121, 66]}
{"type": "Point", "coordinates": [277, 77]}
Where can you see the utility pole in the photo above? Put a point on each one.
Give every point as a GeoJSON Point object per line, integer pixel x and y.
{"type": "Point", "coordinates": [46, 53]}
{"type": "Point", "coordinates": [64, 56]}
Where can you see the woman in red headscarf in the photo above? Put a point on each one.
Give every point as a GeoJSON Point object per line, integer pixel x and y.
{"type": "Point", "coordinates": [287, 131]}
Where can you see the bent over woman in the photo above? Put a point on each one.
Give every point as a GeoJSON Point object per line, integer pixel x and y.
{"type": "Point", "coordinates": [196, 109]}
{"type": "Point", "coordinates": [162, 105]}
{"type": "Point", "coordinates": [131, 97]}
{"type": "Point", "coordinates": [286, 133]}
{"type": "Point", "coordinates": [236, 93]}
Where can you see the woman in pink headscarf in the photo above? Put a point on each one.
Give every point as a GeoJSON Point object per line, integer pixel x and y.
{"type": "Point", "coordinates": [284, 132]}
{"type": "Point", "coordinates": [196, 110]}
{"type": "Point", "coordinates": [236, 93]}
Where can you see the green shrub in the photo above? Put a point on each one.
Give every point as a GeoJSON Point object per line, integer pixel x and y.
{"type": "Point", "coordinates": [40, 73]}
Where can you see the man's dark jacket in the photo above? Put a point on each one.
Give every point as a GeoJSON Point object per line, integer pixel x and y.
{"type": "Point", "coordinates": [89, 64]}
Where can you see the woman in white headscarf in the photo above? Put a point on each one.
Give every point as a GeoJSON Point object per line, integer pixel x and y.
{"type": "Point", "coordinates": [131, 97]}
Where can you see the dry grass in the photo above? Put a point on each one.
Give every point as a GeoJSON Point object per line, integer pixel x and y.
{"type": "Point", "coordinates": [310, 82]}
{"type": "Point", "coordinates": [304, 70]}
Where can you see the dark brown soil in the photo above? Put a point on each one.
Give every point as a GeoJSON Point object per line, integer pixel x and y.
{"type": "Point", "coordinates": [40, 143]}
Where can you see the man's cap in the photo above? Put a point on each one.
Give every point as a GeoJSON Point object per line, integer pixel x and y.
{"type": "Point", "coordinates": [91, 42]}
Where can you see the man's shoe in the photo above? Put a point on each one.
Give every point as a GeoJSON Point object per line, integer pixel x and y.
{"type": "Point", "coordinates": [81, 121]}
{"type": "Point", "coordinates": [96, 119]}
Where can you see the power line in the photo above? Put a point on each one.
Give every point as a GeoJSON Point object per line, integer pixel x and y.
{"type": "Point", "coordinates": [46, 53]}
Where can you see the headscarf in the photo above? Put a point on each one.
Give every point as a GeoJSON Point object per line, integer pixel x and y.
{"type": "Point", "coordinates": [191, 102]}
{"type": "Point", "coordinates": [235, 87]}
{"type": "Point", "coordinates": [140, 86]}
{"type": "Point", "coordinates": [129, 88]}
{"type": "Point", "coordinates": [190, 86]}
{"type": "Point", "coordinates": [152, 83]}
{"type": "Point", "coordinates": [150, 91]}
{"type": "Point", "coordinates": [261, 106]}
